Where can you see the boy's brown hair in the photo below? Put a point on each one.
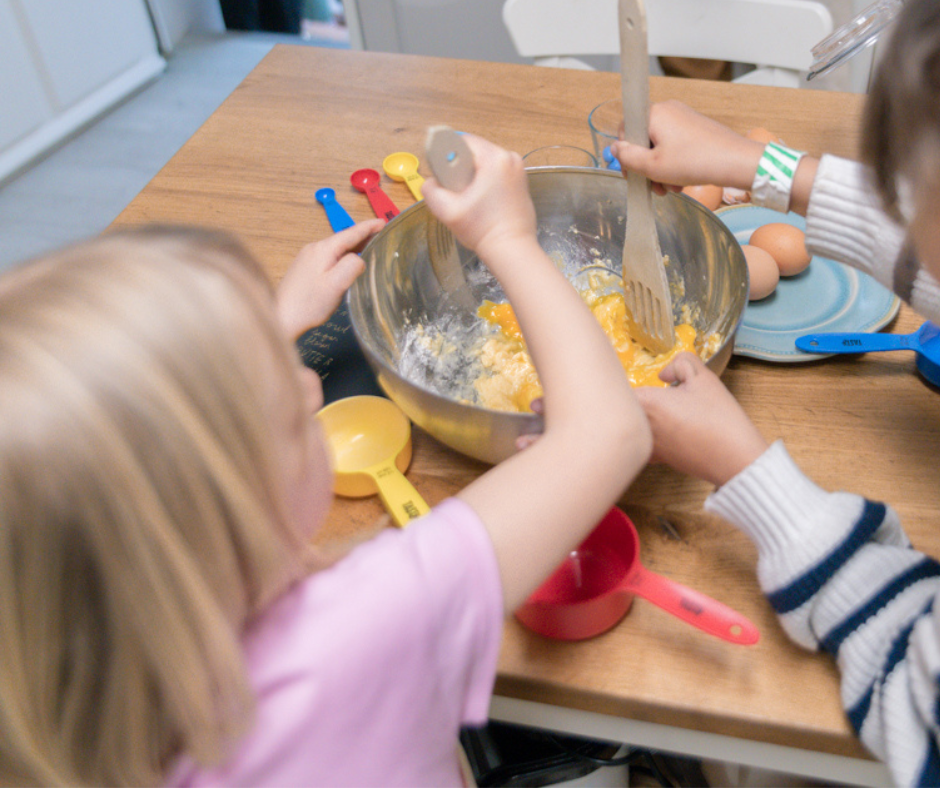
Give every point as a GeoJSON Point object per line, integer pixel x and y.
{"type": "Point", "coordinates": [901, 125]}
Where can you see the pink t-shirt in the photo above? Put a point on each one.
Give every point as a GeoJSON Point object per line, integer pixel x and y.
{"type": "Point", "coordinates": [365, 672]}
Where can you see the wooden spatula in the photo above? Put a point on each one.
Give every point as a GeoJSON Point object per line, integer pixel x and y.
{"type": "Point", "coordinates": [644, 275]}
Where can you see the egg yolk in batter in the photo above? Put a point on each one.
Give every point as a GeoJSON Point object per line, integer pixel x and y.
{"type": "Point", "coordinates": [512, 382]}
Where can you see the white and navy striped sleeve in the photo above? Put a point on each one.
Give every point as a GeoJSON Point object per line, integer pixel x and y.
{"type": "Point", "coordinates": [843, 577]}
{"type": "Point", "coordinates": [845, 222]}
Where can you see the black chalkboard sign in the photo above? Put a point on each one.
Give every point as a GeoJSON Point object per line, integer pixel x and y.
{"type": "Point", "coordinates": [331, 350]}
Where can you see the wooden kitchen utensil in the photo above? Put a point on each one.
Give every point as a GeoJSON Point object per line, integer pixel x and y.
{"type": "Point", "coordinates": [644, 275]}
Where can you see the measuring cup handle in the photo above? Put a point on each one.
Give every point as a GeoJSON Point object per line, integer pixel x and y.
{"type": "Point", "coordinates": [853, 342]}
{"type": "Point", "coordinates": [694, 607]}
{"type": "Point", "coordinates": [401, 499]}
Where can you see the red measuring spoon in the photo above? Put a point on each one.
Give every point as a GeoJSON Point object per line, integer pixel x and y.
{"type": "Point", "coordinates": [594, 588]}
{"type": "Point", "coordinates": [369, 183]}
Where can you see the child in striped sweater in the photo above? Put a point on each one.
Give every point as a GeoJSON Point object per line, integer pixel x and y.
{"type": "Point", "coordinates": [837, 568]}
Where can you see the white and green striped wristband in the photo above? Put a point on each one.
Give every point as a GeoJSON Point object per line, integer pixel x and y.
{"type": "Point", "coordinates": [774, 179]}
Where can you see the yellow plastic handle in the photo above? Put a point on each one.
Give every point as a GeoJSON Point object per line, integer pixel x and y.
{"type": "Point", "coordinates": [414, 182]}
{"type": "Point", "coordinates": [401, 499]}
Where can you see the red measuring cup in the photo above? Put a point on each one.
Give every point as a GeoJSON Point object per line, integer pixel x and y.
{"type": "Point", "coordinates": [594, 588]}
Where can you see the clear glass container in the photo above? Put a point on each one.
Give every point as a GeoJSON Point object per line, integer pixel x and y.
{"type": "Point", "coordinates": [853, 37]}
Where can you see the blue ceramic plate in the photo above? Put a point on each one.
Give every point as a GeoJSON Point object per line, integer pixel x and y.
{"type": "Point", "coordinates": [827, 296]}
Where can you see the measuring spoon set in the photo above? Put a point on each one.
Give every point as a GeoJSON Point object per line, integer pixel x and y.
{"type": "Point", "coordinates": [401, 167]}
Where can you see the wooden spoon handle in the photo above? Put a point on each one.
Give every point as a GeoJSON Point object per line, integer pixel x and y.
{"type": "Point", "coordinates": [450, 159]}
{"type": "Point", "coordinates": [634, 72]}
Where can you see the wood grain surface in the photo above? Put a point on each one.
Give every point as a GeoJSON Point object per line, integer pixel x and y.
{"type": "Point", "coordinates": [306, 118]}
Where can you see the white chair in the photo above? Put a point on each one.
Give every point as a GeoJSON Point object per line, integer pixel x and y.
{"type": "Point", "coordinates": [775, 35]}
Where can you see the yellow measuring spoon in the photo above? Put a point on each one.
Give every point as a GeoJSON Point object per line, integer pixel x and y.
{"type": "Point", "coordinates": [403, 166]}
{"type": "Point", "coordinates": [370, 439]}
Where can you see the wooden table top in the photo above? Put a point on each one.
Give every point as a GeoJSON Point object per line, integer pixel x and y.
{"type": "Point", "coordinates": [306, 118]}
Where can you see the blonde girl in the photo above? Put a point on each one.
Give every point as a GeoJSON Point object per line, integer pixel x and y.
{"type": "Point", "coordinates": [163, 619]}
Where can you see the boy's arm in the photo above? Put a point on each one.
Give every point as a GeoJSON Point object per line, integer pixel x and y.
{"type": "Point", "coordinates": [837, 569]}
{"type": "Point", "coordinates": [841, 575]}
{"type": "Point", "coordinates": [689, 149]}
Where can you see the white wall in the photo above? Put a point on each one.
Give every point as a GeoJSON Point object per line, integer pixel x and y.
{"type": "Point", "coordinates": [474, 29]}
{"type": "Point", "coordinates": [173, 19]}
{"type": "Point", "coordinates": [62, 64]}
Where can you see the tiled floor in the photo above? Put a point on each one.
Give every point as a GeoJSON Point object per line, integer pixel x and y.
{"type": "Point", "coordinates": [82, 186]}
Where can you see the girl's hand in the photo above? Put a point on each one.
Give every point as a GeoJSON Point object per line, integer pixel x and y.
{"type": "Point", "coordinates": [494, 209]}
{"type": "Point", "coordinates": [314, 285]}
{"type": "Point", "coordinates": [698, 426]}
{"type": "Point", "coordinates": [689, 149]}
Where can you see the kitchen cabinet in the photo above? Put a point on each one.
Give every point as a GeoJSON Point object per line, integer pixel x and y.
{"type": "Point", "coordinates": [62, 64]}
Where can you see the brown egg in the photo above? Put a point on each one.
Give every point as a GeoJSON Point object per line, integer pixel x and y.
{"type": "Point", "coordinates": [731, 196]}
{"type": "Point", "coordinates": [762, 135]}
{"type": "Point", "coordinates": [707, 195]}
{"type": "Point", "coordinates": [786, 244]}
{"type": "Point", "coordinates": [762, 272]}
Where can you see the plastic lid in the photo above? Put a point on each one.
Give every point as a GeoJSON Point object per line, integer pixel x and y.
{"type": "Point", "coordinates": [853, 36]}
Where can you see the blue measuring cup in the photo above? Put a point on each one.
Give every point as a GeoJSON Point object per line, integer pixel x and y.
{"type": "Point", "coordinates": [925, 342]}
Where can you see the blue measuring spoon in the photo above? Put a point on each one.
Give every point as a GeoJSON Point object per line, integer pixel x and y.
{"type": "Point", "coordinates": [336, 213]}
{"type": "Point", "coordinates": [610, 161]}
{"type": "Point", "coordinates": [925, 342]}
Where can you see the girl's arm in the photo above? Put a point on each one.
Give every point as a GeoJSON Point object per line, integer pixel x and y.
{"type": "Point", "coordinates": [539, 504]}
{"type": "Point", "coordinates": [313, 286]}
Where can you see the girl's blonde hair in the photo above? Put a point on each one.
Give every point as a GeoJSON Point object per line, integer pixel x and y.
{"type": "Point", "coordinates": [141, 521]}
{"type": "Point", "coordinates": [901, 125]}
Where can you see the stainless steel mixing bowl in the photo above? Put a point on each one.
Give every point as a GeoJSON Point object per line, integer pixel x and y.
{"type": "Point", "coordinates": [417, 275]}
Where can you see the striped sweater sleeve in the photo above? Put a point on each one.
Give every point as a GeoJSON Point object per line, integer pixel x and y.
{"type": "Point", "coordinates": [843, 577]}
{"type": "Point", "coordinates": [845, 222]}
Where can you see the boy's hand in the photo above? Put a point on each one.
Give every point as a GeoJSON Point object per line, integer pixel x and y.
{"type": "Point", "coordinates": [698, 426]}
{"type": "Point", "coordinates": [494, 208]}
{"type": "Point", "coordinates": [689, 149]}
{"type": "Point", "coordinates": [315, 283]}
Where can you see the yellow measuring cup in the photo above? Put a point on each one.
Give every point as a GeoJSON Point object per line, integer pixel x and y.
{"type": "Point", "coordinates": [403, 166]}
{"type": "Point", "coordinates": [370, 439]}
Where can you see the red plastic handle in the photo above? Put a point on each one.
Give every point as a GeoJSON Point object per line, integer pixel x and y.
{"type": "Point", "coordinates": [381, 203]}
{"type": "Point", "coordinates": [693, 607]}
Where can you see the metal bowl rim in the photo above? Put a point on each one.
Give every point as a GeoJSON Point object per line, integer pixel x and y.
{"type": "Point", "coordinates": [526, 419]}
